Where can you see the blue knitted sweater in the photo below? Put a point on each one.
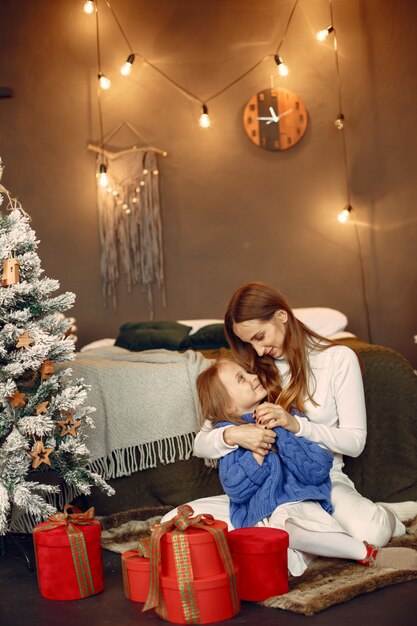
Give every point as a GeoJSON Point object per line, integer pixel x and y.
{"type": "Point", "coordinates": [298, 470]}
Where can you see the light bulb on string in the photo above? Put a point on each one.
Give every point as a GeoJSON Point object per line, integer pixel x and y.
{"type": "Point", "coordinates": [282, 68]}
{"type": "Point", "coordinates": [88, 7]}
{"type": "Point", "coordinates": [344, 215]}
{"type": "Point", "coordinates": [105, 83]}
{"type": "Point", "coordinates": [323, 34]}
{"type": "Point", "coordinates": [126, 68]}
{"type": "Point", "coordinates": [103, 179]}
{"type": "Point", "coordinates": [204, 120]}
{"type": "Point", "coordinates": [340, 121]}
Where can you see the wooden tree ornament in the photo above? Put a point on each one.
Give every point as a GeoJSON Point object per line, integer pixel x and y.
{"type": "Point", "coordinates": [40, 455]}
{"type": "Point", "coordinates": [11, 274]}
{"type": "Point", "coordinates": [25, 341]}
{"type": "Point", "coordinates": [17, 400]}
{"type": "Point", "coordinates": [69, 425]}
{"type": "Point", "coordinates": [46, 369]}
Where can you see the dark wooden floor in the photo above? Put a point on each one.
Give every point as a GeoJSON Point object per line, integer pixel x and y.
{"type": "Point", "coordinates": [21, 603]}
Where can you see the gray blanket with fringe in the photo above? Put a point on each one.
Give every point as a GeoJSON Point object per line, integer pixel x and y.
{"type": "Point", "coordinates": [147, 406]}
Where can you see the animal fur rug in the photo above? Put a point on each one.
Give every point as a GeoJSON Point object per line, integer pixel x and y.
{"type": "Point", "coordinates": [326, 581]}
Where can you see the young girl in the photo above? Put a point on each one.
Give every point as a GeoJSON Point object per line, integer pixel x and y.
{"type": "Point", "coordinates": [289, 487]}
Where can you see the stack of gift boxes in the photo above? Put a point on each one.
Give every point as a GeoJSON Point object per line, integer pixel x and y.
{"type": "Point", "coordinates": [190, 569]}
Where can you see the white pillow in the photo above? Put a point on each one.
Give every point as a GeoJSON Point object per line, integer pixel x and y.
{"type": "Point", "coordinates": [197, 324]}
{"type": "Point", "coordinates": [322, 320]}
{"type": "Point", "coordinates": [100, 343]}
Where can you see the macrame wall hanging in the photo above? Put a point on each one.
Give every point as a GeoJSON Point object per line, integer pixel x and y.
{"type": "Point", "coordinates": [129, 219]}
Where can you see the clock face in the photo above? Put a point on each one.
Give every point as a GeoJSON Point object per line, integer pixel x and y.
{"type": "Point", "coordinates": [275, 119]}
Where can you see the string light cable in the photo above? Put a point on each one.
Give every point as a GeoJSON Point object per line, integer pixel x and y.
{"type": "Point", "coordinates": [204, 119]}
{"type": "Point", "coordinates": [127, 67]}
{"type": "Point", "coordinates": [104, 82]}
{"type": "Point", "coordinates": [102, 172]}
{"type": "Point", "coordinates": [345, 214]}
{"type": "Point", "coordinates": [282, 68]}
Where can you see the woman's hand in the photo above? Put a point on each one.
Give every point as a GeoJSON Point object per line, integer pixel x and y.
{"type": "Point", "coordinates": [258, 439]}
{"type": "Point", "coordinates": [271, 415]}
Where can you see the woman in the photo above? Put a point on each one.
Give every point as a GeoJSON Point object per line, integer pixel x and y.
{"type": "Point", "coordinates": [299, 367]}
{"type": "Point", "coordinates": [289, 487]}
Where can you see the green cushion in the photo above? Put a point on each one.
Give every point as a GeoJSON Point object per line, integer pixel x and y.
{"type": "Point", "coordinates": [208, 338]}
{"type": "Point", "coordinates": [139, 336]}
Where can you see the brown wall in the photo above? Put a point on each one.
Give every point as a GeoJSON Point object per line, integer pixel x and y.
{"type": "Point", "coordinates": [231, 211]}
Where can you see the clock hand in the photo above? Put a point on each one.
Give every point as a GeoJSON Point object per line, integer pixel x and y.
{"type": "Point", "coordinates": [275, 117]}
{"type": "Point", "coordinates": [282, 114]}
{"type": "Point", "coordinates": [268, 120]}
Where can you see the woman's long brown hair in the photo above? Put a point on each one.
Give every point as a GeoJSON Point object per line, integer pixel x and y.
{"type": "Point", "coordinates": [260, 301]}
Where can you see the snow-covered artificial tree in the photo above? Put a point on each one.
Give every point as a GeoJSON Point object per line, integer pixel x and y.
{"type": "Point", "coordinates": [43, 420]}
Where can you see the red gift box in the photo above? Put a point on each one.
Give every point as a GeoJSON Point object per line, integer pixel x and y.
{"type": "Point", "coordinates": [177, 547]}
{"type": "Point", "coordinates": [136, 572]}
{"type": "Point", "coordinates": [204, 555]}
{"type": "Point", "coordinates": [261, 554]}
{"type": "Point", "coordinates": [213, 597]}
{"type": "Point", "coordinates": [68, 555]}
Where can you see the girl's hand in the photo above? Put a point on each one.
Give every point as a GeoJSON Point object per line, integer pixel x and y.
{"type": "Point", "coordinates": [259, 458]}
{"type": "Point", "coordinates": [256, 438]}
{"type": "Point", "coordinates": [271, 415]}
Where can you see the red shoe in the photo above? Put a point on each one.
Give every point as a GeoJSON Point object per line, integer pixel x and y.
{"type": "Point", "coordinates": [371, 554]}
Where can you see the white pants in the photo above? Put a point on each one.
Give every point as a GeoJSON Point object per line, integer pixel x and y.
{"type": "Point", "coordinates": [359, 517]}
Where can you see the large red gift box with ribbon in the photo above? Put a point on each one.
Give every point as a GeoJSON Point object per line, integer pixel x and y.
{"type": "Point", "coordinates": [193, 579]}
{"type": "Point", "coordinates": [261, 554]}
{"type": "Point", "coordinates": [69, 556]}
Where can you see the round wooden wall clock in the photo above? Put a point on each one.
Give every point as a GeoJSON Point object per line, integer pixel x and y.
{"type": "Point", "coordinates": [275, 119]}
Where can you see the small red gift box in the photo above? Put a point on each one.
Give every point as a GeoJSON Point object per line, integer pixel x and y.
{"type": "Point", "coordinates": [204, 555]}
{"type": "Point", "coordinates": [261, 554]}
{"type": "Point", "coordinates": [136, 572]}
{"type": "Point", "coordinates": [68, 555]}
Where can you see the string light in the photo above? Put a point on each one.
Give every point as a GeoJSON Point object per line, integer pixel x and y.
{"type": "Point", "coordinates": [204, 120]}
{"type": "Point", "coordinates": [323, 34]}
{"type": "Point", "coordinates": [103, 179]}
{"type": "Point", "coordinates": [344, 215]}
{"type": "Point", "coordinates": [88, 7]}
{"type": "Point", "coordinates": [105, 83]}
{"type": "Point", "coordinates": [126, 68]}
{"type": "Point", "coordinates": [281, 67]}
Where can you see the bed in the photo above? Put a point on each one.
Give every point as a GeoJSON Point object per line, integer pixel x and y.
{"type": "Point", "coordinates": [147, 410]}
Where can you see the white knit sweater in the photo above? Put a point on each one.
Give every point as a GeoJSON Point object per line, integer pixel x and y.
{"type": "Point", "coordinates": [338, 422]}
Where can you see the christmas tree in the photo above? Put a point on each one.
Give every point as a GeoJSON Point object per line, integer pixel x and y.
{"type": "Point", "coordinates": [43, 420]}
